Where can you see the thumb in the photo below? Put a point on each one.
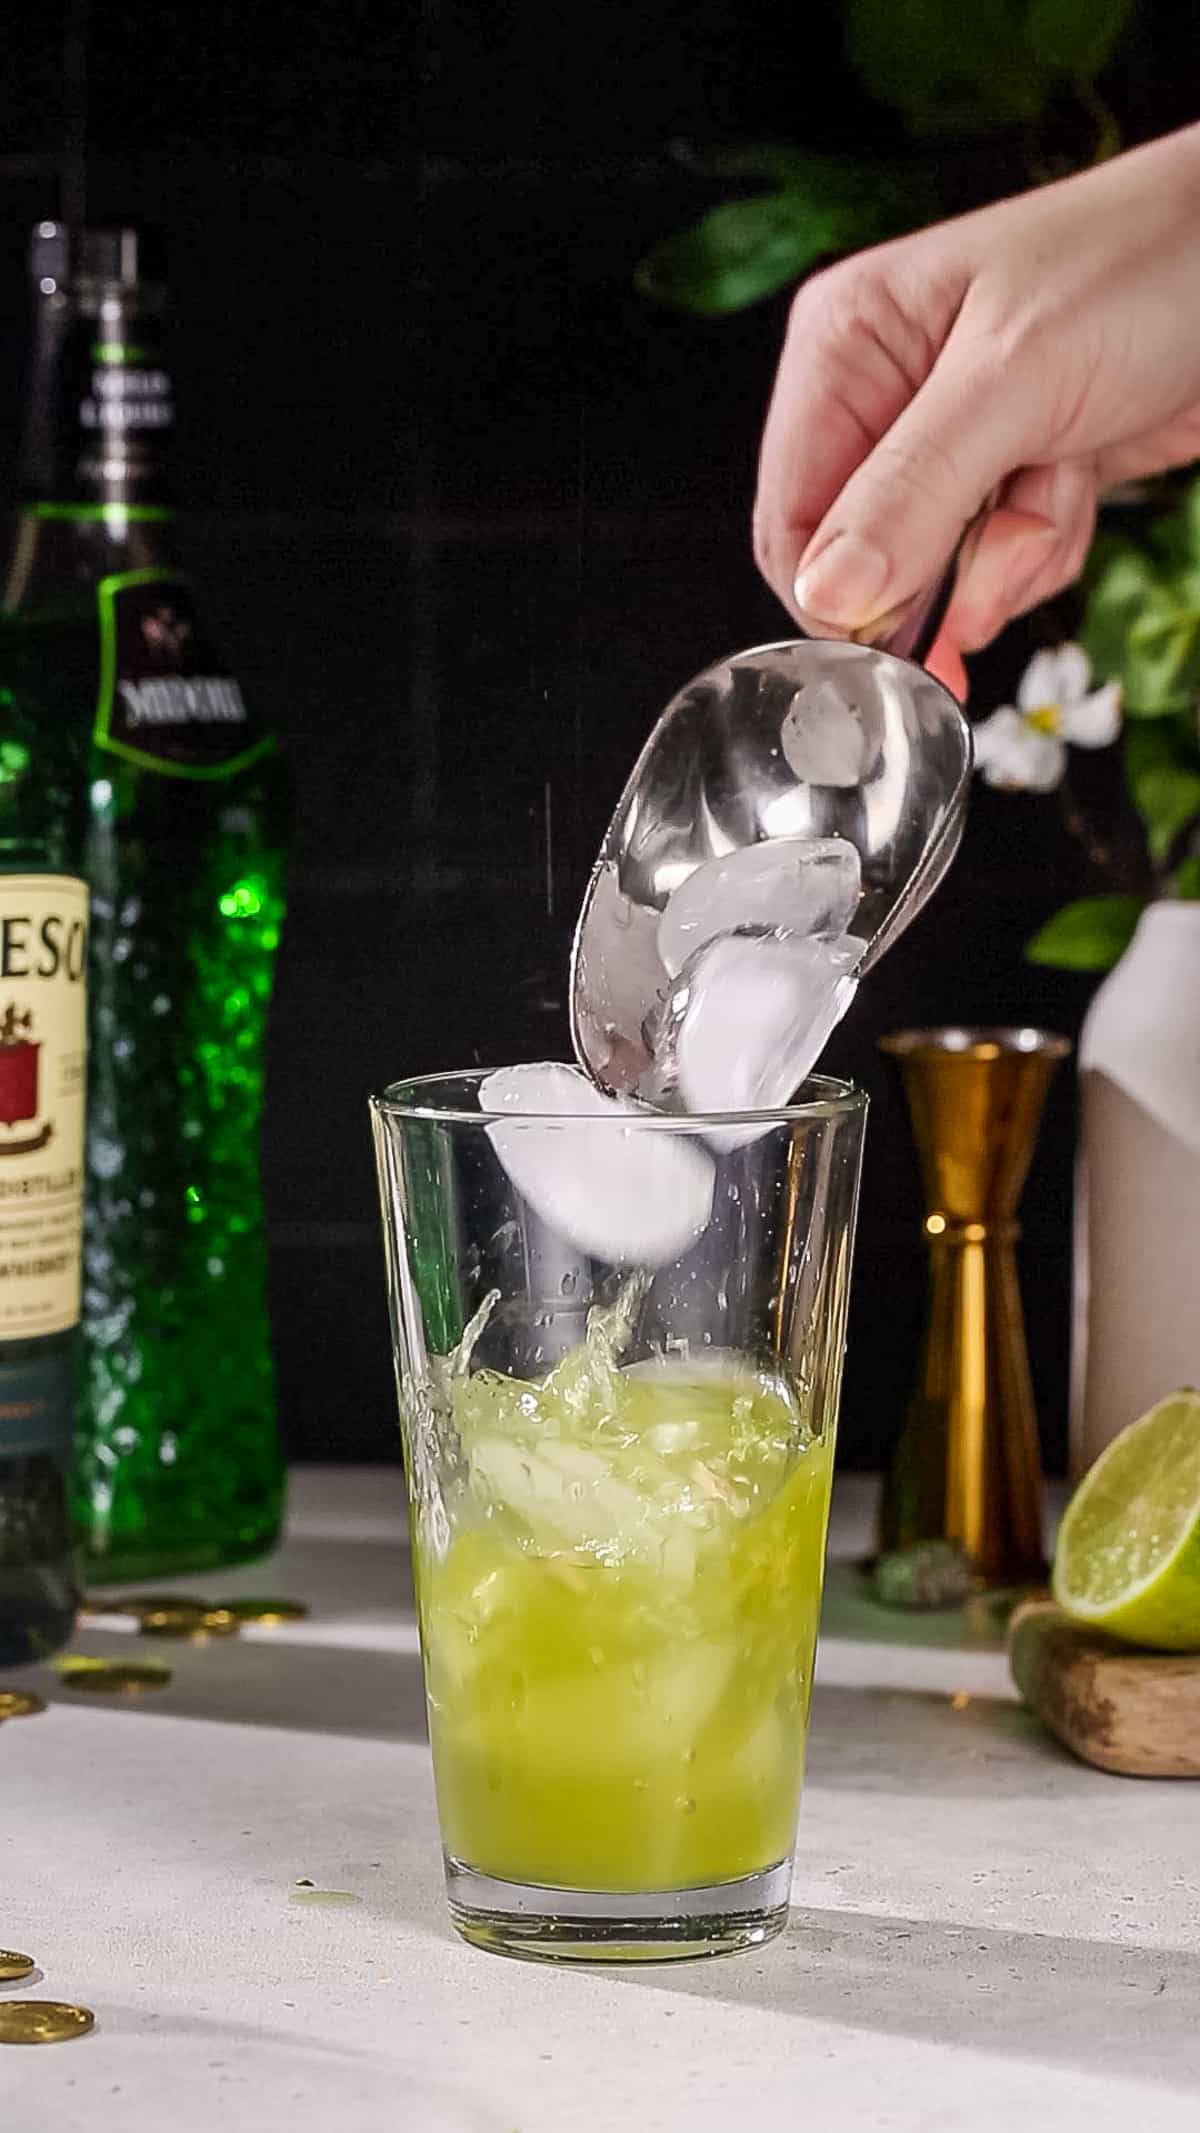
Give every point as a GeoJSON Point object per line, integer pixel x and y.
{"type": "Point", "coordinates": [891, 531]}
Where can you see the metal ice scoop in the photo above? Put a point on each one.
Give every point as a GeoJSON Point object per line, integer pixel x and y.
{"type": "Point", "coordinates": [799, 741]}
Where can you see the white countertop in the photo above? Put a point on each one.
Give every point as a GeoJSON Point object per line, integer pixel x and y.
{"type": "Point", "coordinates": [985, 1935]}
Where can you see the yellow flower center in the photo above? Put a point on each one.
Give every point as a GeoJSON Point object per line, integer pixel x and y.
{"type": "Point", "coordinates": [1046, 719]}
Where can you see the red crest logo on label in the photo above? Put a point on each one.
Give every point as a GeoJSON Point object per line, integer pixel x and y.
{"type": "Point", "coordinates": [20, 1062]}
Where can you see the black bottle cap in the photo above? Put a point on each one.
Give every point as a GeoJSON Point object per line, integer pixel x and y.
{"type": "Point", "coordinates": [127, 258]}
{"type": "Point", "coordinates": [48, 255]}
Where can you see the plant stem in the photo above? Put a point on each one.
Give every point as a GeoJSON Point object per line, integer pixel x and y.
{"type": "Point", "coordinates": [1108, 127]}
{"type": "Point", "coordinates": [1109, 863]}
{"type": "Point", "coordinates": [1182, 622]}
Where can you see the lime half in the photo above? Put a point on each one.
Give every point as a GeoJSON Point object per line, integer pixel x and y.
{"type": "Point", "coordinates": [1128, 1556]}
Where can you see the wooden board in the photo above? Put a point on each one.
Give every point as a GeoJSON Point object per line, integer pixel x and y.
{"type": "Point", "coordinates": [1133, 1712]}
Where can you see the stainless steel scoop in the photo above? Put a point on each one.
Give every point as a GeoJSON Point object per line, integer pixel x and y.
{"type": "Point", "coordinates": [806, 739]}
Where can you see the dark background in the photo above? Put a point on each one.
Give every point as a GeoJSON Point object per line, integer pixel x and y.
{"type": "Point", "coordinates": [466, 510]}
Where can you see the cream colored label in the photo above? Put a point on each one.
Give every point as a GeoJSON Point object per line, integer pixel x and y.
{"type": "Point", "coordinates": [43, 1058]}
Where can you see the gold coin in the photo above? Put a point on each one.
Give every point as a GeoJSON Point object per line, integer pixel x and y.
{"type": "Point", "coordinates": [136, 1603]}
{"type": "Point", "coordinates": [116, 1677]}
{"type": "Point", "coordinates": [269, 1611]}
{"type": "Point", "coordinates": [167, 1620]}
{"type": "Point", "coordinates": [13, 1966]}
{"type": "Point", "coordinates": [42, 2021]}
{"type": "Point", "coordinates": [219, 1622]}
{"type": "Point", "coordinates": [196, 1622]}
{"type": "Point", "coordinates": [19, 1703]}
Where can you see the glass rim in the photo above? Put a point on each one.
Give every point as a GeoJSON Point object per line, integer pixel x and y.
{"type": "Point", "coordinates": [839, 1099]}
{"type": "Point", "coordinates": [976, 1041]}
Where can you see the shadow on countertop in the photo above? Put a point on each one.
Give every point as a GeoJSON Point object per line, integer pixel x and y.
{"type": "Point", "coordinates": [1087, 2004]}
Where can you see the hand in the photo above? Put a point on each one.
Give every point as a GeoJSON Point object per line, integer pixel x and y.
{"type": "Point", "coordinates": [1035, 352]}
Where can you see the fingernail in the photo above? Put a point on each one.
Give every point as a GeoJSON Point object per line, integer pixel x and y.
{"type": "Point", "coordinates": [845, 583]}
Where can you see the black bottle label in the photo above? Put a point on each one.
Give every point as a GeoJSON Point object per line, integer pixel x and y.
{"type": "Point", "coordinates": [117, 407]}
{"type": "Point", "coordinates": [101, 407]}
{"type": "Point", "coordinates": [37, 1406]}
{"type": "Point", "coordinates": [167, 700]}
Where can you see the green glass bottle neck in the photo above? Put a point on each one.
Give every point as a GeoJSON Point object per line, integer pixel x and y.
{"type": "Point", "coordinates": [99, 418]}
{"type": "Point", "coordinates": [60, 552]}
{"type": "Point", "coordinates": [99, 404]}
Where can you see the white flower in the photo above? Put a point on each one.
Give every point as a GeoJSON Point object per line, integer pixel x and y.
{"type": "Point", "coordinates": [1023, 748]}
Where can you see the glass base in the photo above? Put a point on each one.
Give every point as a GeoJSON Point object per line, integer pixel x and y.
{"type": "Point", "coordinates": [607, 1926]}
{"type": "Point", "coordinates": [32, 1626]}
{"type": "Point", "coordinates": [179, 1554]}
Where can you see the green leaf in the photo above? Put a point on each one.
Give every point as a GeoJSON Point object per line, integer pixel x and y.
{"type": "Point", "coordinates": [1142, 628]}
{"type": "Point", "coordinates": [1161, 669]}
{"type": "Point", "coordinates": [1077, 37]}
{"type": "Point", "coordinates": [949, 69]}
{"type": "Point", "coordinates": [1188, 516]}
{"type": "Point", "coordinates": [899, 194]}
{"type": "Point", "coordinates": [747, 249]}
{"type": "Point", "coordinates": [1185, 882]}
{"type": "Point", "coordinates": [975, 70]}
{"type": "Point", "coordinates": [1121, 580]}
{"type": "Point", "coordinates": [1176, 534]}
{"type": "Point", "coordinates": [1164, 783]}
{"type": "Point", "coordinates": [1092, 934]}
{"type": "Point", "coordinates": [1142, 625]}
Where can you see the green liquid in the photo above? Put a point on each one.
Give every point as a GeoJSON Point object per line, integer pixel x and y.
{"type": "Point", "coordinates": [619, 1632]}
{"type": "Point", "coordinates": [178, 1463]}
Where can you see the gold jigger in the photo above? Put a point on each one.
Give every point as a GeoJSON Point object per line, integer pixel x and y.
{"type": "Point", "coordinates": [967, 1467]}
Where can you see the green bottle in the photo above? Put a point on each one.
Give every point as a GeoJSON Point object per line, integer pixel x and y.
{"type": "Point", "coordinates": [131, 716]}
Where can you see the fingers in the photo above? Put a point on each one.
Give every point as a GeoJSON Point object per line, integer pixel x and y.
{"type": "Point", "coordinates": [890, 531]}
{"type": "Point", "coordinates": [1009, 554]}
{"type": "Point", "coordinates": [945, 664]}
{"type": "Point", "coordinates": [1032, 545]}
{"type": "Point", "coordinates": [1054, 329]}
{"type": "Point", "coordinates": [852, 359]}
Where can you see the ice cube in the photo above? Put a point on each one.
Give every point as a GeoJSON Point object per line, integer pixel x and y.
{"type": "Point", "coordinates": [569, 1496]}
{"type": "Point", "coordinates": [624, 1194]}
{"type": "Point", "coordinates": [613, 978]}
{"type": "Point", "coordinates": [562, 1507]}
{"type": "Point", "coordinates": [546, 1087]}
{"type": "Point", "coordinates": [751, 1017]}
{"type": "Point", "coordinates": [823, 737]}
{"type": "Point", "coordinates": [797, 885]}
